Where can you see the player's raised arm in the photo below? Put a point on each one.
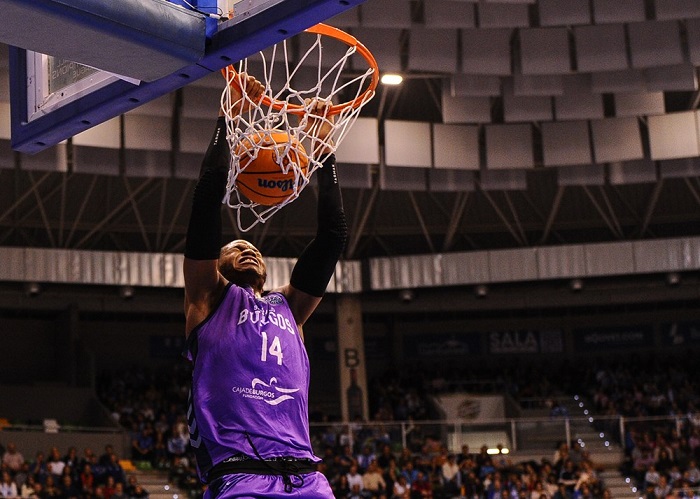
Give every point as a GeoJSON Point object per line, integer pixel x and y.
{"type": "Point", "coordinates": [316, 265]}
{"type": "Point", "coordinates": [203, 282]}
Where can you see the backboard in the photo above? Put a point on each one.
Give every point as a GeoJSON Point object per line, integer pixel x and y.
{"type": "Point", "coordinates": [126, 61]}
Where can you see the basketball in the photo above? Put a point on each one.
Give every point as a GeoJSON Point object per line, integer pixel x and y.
{"type": "Point", "coordinates": [270, 164]}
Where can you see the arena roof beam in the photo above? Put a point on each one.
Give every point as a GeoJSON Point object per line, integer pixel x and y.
{"type": "Point", "coordinates": [503, 218]}
{"type": "Point", "coordinates": [601, 212]}
{"type": "Point", "coordinates": [421, 222]}
{"type": "Point", "coordinates": [553, 211]}
{"type": "Point", "coordinates": [457, 213]}
{"type": "Point", "coordinates": [360, 227]}
{"type": "Point", "coordinates": [651, 206]}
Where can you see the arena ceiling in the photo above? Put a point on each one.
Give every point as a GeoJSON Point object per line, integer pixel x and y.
{"type": "Point", "coordinates": [542, 204]}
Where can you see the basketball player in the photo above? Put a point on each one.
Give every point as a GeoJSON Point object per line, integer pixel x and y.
{"type": "Point", "coordinates": [248, 410]}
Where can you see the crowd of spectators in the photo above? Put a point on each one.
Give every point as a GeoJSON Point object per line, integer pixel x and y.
{"type": "Point", "coordinates": [658, 399]}
{"type": "Point", "coordinates": [434, 473]}
{"type": "Point", "coordinates": [661, 455]}
{"type": "Point", "coordinates": [151, 404]}
{"type": "Point", "coordinates": [371, 462]}
{"type": "Point", "coordinates": [54, 475]}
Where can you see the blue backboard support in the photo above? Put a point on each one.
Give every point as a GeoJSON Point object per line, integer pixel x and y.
{"type": "Point", "coordinates": [254, 30]}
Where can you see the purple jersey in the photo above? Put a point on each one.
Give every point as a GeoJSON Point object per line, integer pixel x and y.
{"type": "Point", "coordinates": [251, 374]}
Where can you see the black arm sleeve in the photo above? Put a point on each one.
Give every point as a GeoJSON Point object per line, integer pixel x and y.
{"type": "Point", "coordinates": [316, 264]}
{"type": "Point", "coordinates": [204, 230]}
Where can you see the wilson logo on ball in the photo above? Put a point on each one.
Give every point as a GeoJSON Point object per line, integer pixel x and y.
{"type": "Point", "coordinates": [273, 167]}
{"type": "Point", "coordinates": [283, 185]}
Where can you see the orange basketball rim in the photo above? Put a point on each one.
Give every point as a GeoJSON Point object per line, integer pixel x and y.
{"type": "Point", "coordinates": [229, 73]}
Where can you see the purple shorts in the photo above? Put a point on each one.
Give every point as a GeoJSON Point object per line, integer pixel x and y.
{"type": "Point", "coordinates": [246, 486]}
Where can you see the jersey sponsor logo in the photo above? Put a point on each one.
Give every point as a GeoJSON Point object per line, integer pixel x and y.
{"type": "Point", "coordinates": [269, 393]}
{"type": "Point", "coordinates": [273, 299]}
{"type": "Point", "coordinates": [258, 317]}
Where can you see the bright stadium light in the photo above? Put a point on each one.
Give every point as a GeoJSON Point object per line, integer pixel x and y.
{"type": "Point", "coordinates": [391, 79]}
{"type": "Point", "coordinates": [495, 450]}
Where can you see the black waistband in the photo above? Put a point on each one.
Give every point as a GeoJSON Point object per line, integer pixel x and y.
{"type": "Point", "coordinates": [282, 466]}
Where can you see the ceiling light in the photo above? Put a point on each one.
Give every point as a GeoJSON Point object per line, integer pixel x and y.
{"type": "Point", "coordinates": [481, 291]}
{"type": "Point", "coordinates": [673, 278]}
{"type": "Point", "coordinates": [407, 295]}
{"type": "Point", "coordinates": [126, 292]}
{"type": "Point", "coordinates": [391, 79]}
{"type": "Point", "coordinates": [576, 285]}
{"type": "Point", "coordinates": [32, 289]}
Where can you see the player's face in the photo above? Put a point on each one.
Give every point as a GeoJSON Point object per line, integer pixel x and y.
{"type": "Point", "coordinates": [241, 263]}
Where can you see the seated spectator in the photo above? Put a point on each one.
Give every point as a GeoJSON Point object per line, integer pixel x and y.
{"type": "Point", "coordinates": [27, 488]}
{"type": "Point", "coordinates": [391, 476]}
{"type": "Point", "coordinates": [114, 469]}
{"type": "Point", "coordinates": [8, 488]}
{"type": "Point", "coordinates": [109, 487]}
{"type": "Point", "coordinates": [568, 476]}
{"type": "Point", "coordinates": [642, 464]}
{"type": "Point", "coordinates": [463, 454]}
{"type": "Point", "coordinates": [12, 459]}
{"type": "Point", "coordinates": [39, 468]}
{"type": "Point", "coordinates": [99, 472]}
{"type": "Point", "coordinates": [160, 452]}
{"type": "Point", "coordinates": [401, 488]}
{"type": "Point", "coordinates": [354, 478]}
{"type": "Point", "coordinates": [87, 480]}
{"type": "Point", "coordinates": [451, 476]}
{"type": "Point", "coordinates": [355, 492]}
{"type": "Point", "coordinates": [385, 457]}
{"type": "Point", "coordinates": [345, 460]}
{"type": "Point", "coordinates": [22, 475]}
{"type": "Point", "coordinates": [588, 477]}
{"type": "Point", "coordinates": [55, 463]}
{"type": "Point", "coordinates": [495, 488]}
{"type": "Point", "coordinates": [39, 491]}
{"type": "Point", "coordinates": [421, 488]}
{"type": "Point", "coordinates": [106, 456]}
{"type": "Point", "coordinates": [143, 444]}
{"type": "Point", "coordinates": [86, 458]}
{"type": "Point", "coordinates": [538, 491]}
{"type": "Point", "coordinates": [373, 483]}
{"type": "Point", "coordinates": [664, 463]}
{"type": "Point", "coordinates": [473, 486]}
{"type": "Point", "coordinates": [50, 487]}
{"type": "Point", "coordinates": [119, 491]}
{"type": "Point", "coordinates": [686, 491]}
{"type": "Point", "coordinates": [662, 488]}
{"type": "Point", "coordinates": [557, 410]}
{"type": "Point", "coordinates": [410, 473]}
{"type": "Point", "coordinates": [178, 441]}
{"type": "Point", "coordinates": [71, 458]}
{"type": "Point", "coordinates": [340, 486]}
{"type": "Point", "coordinates": [692, 474]}
{"type": "Point", "coordinates": [560, 455]}
{"type": "Point", "coordinates": [139, 492]}
{"type": "Point", "coordinates": [69, 490]}
{"type": "Point", "coordinates": [562, 492]}
{"type": "Point", "coordinates": [364, 458]}
{"type": "Point", "coordinates": [675, 476]}
{"type": "Point", "coordinates": [550, 485]}
{"type": "Point", "coordinates": [651, 477]}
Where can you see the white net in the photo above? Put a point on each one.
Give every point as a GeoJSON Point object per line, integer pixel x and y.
{"type": "Point", "coordinates": [280, 127]}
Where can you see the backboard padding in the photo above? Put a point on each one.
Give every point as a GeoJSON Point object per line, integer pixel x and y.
{"type": "Point", "coordinates": [235, 39]}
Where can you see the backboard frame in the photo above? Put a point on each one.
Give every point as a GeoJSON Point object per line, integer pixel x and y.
{"type": "Point", "coordinates": [246, 33]}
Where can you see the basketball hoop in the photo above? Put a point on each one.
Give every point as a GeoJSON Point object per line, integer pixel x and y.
{"type": "Point", "coordinates": [286, 95]}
